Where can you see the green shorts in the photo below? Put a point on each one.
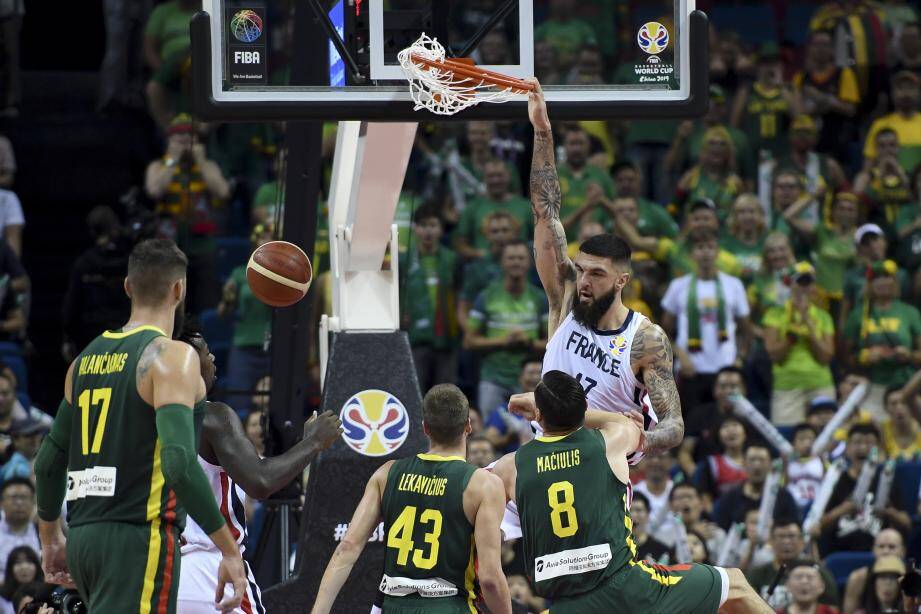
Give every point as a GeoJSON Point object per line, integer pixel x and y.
{"type": "Point", "coordinates": [644, 587]}
{"type": "Point", "coordinates": [121, 567]}
{"type": "Point", "coordinates": [427, 605]}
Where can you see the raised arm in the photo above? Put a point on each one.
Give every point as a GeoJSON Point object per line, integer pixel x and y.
{"type": "Point", "coordinates": [554, 267]}
{"type": "Point", "coordinates": [225, 440]}
{"type": "Point", "coordinates": [366, 517]}
{"type": "Point", "coordinates": [652, 353]}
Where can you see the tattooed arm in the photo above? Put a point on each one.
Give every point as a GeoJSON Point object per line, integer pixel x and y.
{"type": "Point", "coordinates": [651, 354]}
{"type": "Point", "coordinates": [554, 267]}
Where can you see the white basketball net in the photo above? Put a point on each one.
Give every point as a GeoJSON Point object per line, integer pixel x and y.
{"type": "Point", "coordinates": [438, 90]}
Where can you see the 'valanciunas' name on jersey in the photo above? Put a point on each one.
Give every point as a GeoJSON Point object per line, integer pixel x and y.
{"type": "Point", "coordinates": [582, 346]}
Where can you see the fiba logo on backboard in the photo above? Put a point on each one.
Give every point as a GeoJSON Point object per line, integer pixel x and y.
{"type": "Point", "coordinates": [246, 26]}
{"type": "Point", "coordinates": [652, 37]}
{"type": "Point", "coordinates": [374, 423]}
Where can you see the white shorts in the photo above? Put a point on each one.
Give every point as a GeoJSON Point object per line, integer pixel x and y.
{"type": "Point", "coordinates": [198, 583]}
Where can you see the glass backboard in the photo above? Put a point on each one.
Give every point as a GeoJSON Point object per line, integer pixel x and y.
{"type": "Point", "coordinates": [595, 58]}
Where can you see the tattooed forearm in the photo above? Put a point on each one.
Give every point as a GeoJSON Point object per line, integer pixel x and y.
{"type": "Point", "coordinates": [545, 184]}
{"type": "Point", "coordinates": [652, 352]}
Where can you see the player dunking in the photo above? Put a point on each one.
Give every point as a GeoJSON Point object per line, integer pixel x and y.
{"type": "Point", "coordinates": [235, 470]}
{"type": "Point", "coordinates": [623, 360]}
{"type": "Point", "coordinates": [122, 449]}
{"type": "Point", "coordinates": [579, 549]}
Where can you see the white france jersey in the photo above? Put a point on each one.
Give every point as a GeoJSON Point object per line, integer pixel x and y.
{"type": "Point", "coordinates": [600, 360]}
{"type": "Point", "coordinates": [230, 498]}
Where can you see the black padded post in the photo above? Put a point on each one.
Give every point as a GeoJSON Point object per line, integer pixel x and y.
{"type": "Point", "coordinates": [357, 362]}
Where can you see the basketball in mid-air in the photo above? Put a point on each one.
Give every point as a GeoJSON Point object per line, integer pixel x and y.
{"type": "Point", "coordinates": [279, 273]}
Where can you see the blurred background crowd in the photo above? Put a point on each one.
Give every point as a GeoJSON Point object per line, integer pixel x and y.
{"type": "Point", "coordinates": [777, 239]}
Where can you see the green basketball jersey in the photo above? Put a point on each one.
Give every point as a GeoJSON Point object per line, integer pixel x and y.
{"type": "Point", "coordinates": [114, 464]}
{"type": "Point", "coordinates": [766, 120]}
{"type": "Point", "coordinates": [429, 542]}
{"type": "Point", "coordinates": [573, 510]}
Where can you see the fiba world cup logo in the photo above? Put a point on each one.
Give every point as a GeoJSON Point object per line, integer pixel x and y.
{"type": "Point", "coordinates": [652, 37]}
{"type": "Point", "coordinates": [374, 423]}
{"type": "Point", "coordinates": [246, 26]}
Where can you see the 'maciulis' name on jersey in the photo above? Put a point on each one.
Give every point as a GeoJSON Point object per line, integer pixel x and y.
{"type": "Point", "coordinates": [586, 348]}
{"type": "Point", "coordinates": [557, 460]}
{"type": "Point", "coordinates": [422, 484]}
{"type": "Point", "coordinates": [102, 364]}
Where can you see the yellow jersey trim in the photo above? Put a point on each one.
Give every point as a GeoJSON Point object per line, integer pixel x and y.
{"type": "Point", "coordinates": [552, 438]}
{"type": "Point", "coordinates": [153, 547]}
{"type": "Point", "coordinates": [438, 457]}
{"type": "Point", "coordinates": [113, 335]}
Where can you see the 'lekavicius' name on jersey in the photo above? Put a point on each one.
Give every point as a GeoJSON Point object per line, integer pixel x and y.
{"type": "Point", "coordinates": [558, 460]}
{"type": "Point", "coordinates": [423, 484]}
{"type": "Point", "coordinates": [102, 364]}
{"type": "Point", "coordinates": [586, 348]}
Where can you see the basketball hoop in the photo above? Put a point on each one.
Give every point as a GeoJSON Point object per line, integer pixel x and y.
{"type": "Point", "coordinates": [445, 86]}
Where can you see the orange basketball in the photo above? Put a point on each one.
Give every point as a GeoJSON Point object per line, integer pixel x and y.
{"type": "Point", "coordinates": [279, 273]}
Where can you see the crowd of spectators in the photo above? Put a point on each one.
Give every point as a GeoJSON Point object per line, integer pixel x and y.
{"type": "Point", "coordinates": [777, 240]}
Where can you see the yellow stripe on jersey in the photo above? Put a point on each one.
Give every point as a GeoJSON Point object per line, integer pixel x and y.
{"type": "Point", "coordinates": [153, 548]}
{"type": "Point", "coordinates": [552, 438]}
{"type": "Point", "coordinates": [439, 457]}
{"type": "Point", "coordinates": [469, 576]}
{"type": "Point", "coordinates": [113, 335]}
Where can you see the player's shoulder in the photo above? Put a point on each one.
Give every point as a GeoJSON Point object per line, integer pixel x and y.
{"type": "Point", "coordinates": [219, 415]}
{"type": "Point", "coordinates": [484, 484]}
{"type": "Point", "coordinates": [649, 341]}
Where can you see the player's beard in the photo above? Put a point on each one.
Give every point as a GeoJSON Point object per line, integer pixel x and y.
{"type": "Point", "coordinates": [589, 315]}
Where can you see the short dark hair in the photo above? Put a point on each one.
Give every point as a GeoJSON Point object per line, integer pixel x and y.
{"type": "Point", "coordinates": [561, 400]}
{"type": "Point", "coordinates": [757, 444]}
{"type": "Point", "coordinates": [863, 429]}
{"type": "Point", "coordinates": [445, 411]}
{"type": "Point", "coordinates": [687, 485]}
{"type": "Point", "coordinates": [785, 521]}
{"type": "Point", "coordinates": [532, 358]}
{"type": "Point", "coordinates": [804, 563]}
{"type": "Point", "coordinates": [514, 243]}
{"type": "Point", "coordinates": [153, 266]}
{"type": "Point", "coordinates": [427, 211]}
{"type": "Point", "coordinates": [102, 221]}
{"type": "Point", "coordinates": [802, 426]}
{"type": "Point", "coordinates": [891, 390]}
{"type": "Point", "coordinates": [17, 481]}
{"type": "Point", "coordinates": [190, 332]}
{"type": "Point", "coordinates": [608, 246]}
{"type": "Point", "coordinates": [624, 165]}
{"type": "Point", "coordinates": [731, 369]}
{"type": "Point", "coordinates": [638, 496]}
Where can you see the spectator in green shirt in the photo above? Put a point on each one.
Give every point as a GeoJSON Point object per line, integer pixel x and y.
{"type": "Point", "coordinates": [833, 248]}
{"type": "Point", "coordinates": [883, 336]}
{"type": "Point", "coordinates": [746, 232]}
{"type": "Point", "coordinates": [166, 51]}
{"type": "Point", "coordinates": [872, 247]}
{"type": "Point", "coordinates": [769, 288]}
{"type": "Point", "coordinates": [249, 359]}
{"type": "Point", "coordinates": [480, 137]}
{"type": "Point", "coordinates": [501, 228]}
{"type": "Point", "coordinates": [429, 309]}
{"type": "Point", "coordinates": [689, 138]}
{"type": "Point", "coordinates": [585, 188]}
{"type": "Point", "coordinates": [470, 240]}
{"type": "Point", "coordinates": [799, 338]}
{"type": "Point", "coordinates": [507, 323]}
{"type": "Point", "coordinates": [653, 219]}
{"type": "Point", "coordinates": [565, 32]}
{"type": "Point", "coordinates": [713, 175]}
